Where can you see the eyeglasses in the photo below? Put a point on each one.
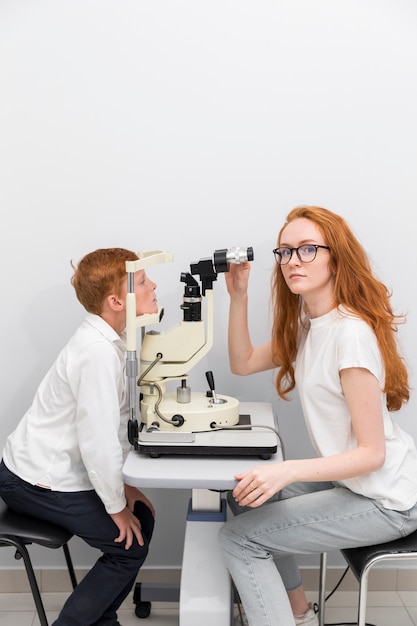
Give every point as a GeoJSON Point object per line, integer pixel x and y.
{"type": "Point", "coordinates": [306, 253]}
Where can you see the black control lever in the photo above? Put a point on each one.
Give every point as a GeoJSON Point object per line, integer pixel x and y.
{"type": "Point", "coordinates": [210, 380]}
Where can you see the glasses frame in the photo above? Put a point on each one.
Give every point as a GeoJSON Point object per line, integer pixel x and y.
{"type": "Point", "coordinates": [297, 251]}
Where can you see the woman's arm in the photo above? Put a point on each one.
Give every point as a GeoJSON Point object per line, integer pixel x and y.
{"type": "Point", "coordinates": [363, 398]}
{"type": "Point", "coordinates": [243, 357]}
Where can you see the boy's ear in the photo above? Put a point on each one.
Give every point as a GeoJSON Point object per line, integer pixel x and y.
{"type": "Point", "coordinates": [114, 302]}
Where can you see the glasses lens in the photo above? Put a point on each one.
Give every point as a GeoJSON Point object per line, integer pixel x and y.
{"type": "Point", "coordinates": [307, 253]}
{"type": "Point", "coordinates": [282, 255]}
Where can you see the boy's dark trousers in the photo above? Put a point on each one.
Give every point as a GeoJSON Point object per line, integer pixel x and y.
{"type": "Point", "coordinates": [94, 602]}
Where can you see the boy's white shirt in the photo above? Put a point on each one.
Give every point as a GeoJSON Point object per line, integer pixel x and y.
{"type": "Point", "coordinates": [74, 435]}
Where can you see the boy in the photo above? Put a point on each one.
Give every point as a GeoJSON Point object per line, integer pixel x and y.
{"type": "Point", "coordinates": [63, 463]}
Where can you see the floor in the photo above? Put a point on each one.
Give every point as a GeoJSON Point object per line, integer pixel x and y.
{"type": "Point", "coordinates": [384, 609]}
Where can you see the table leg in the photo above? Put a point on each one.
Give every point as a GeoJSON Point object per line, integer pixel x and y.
{"type": "Point", "coordinates": [205, 591]}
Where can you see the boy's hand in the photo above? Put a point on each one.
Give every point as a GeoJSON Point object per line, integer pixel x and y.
{"type": "Point", "coordinates": [127, 523]}
{"type": "Point", "coordinates": [129, 527]}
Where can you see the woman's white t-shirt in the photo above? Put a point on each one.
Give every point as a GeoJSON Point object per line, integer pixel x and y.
{"type": "Point", "coordinates": [331, 343]}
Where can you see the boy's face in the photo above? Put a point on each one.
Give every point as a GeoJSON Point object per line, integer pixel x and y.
{"type": "Point", "coordinates": [146, 301]}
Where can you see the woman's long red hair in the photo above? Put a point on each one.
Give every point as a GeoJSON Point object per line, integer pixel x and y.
{"type": "Point", "coordinates": [356, 288]}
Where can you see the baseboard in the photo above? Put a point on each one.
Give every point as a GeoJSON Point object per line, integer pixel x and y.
{"type": "Point", "coordinates": [57, 580]}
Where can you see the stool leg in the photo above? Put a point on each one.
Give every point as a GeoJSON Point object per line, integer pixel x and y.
{"type": "Point", "coordinates": [70, 565]}
{"type": "Point", "coordinates": [322, 587]}
{"type": "Point", "coordinates": [21, 548]}
{"type": "Point", "coordinates": [363, 592]}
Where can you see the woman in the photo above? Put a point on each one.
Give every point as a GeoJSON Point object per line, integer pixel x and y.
{"type": "Point", "coordinates": [333, 338]}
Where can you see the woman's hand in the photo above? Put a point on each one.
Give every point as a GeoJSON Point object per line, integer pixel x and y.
{"type": "Point", "coordinates": [237, 279]}
{"type": "Point", "coordinates": [260, 483]}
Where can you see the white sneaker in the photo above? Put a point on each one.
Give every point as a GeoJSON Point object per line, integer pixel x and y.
{"type": "Point", "coordinates": [309, 618]}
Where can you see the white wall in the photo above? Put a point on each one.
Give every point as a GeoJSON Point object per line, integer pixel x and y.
{"type": "Point", "coordinates": [193, 125]}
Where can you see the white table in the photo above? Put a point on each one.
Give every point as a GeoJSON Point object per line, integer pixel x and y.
{"type": "Point", "coordinates": [205, 590]}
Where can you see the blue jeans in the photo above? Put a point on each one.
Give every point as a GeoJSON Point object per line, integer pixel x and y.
{"type": "Point", "coordinates": [306, 518]}
{"type": "Point", "coordinates": [97, 597]}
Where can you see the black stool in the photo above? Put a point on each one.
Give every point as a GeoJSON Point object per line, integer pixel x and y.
{"type": "Point", "coordinates": [18, 531]}
{"type": "Point", "coordinates": [361, 561]}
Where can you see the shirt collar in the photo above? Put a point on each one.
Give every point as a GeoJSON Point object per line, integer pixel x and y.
{"type": "Point", "coordinates": [105, 329]}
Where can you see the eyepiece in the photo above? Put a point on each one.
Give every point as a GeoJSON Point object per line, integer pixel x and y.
{"type": "Point", "coordinates": [223, 258]}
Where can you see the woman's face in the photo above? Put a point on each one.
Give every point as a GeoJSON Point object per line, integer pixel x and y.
{"type": "Point", "coordinates": [313, 280]}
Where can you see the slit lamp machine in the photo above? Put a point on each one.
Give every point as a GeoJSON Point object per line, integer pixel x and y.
{"type": "Point", "coordinates": [182, 420]}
